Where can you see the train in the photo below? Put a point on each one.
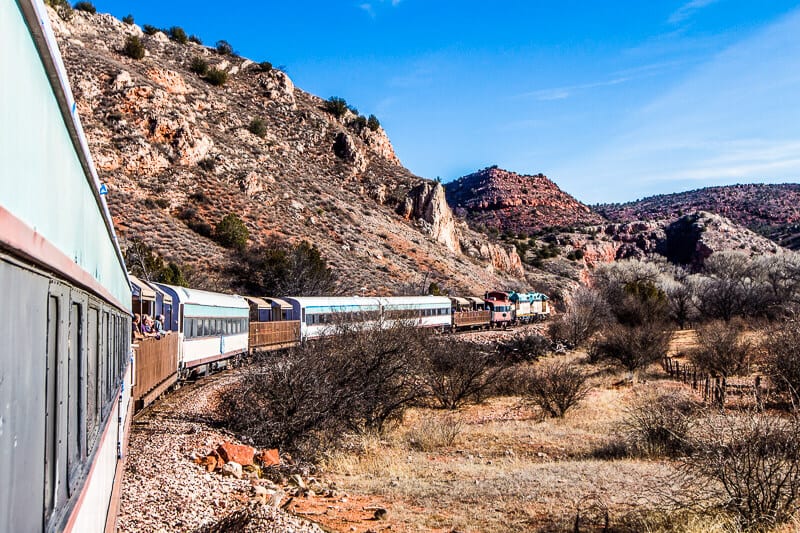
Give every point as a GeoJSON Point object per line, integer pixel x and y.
{"type": "Point", "coordinates": [209, 331]}
{"type": "Point", "coordinates": [65, 351]}
{"type": "Point", "coordinates": [71, 376]}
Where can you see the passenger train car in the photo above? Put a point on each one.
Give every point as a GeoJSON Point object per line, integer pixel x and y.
{"type": "Point", "coordinates": [65, 328]}
{"type": "Point", "coordinates": [214, 327]}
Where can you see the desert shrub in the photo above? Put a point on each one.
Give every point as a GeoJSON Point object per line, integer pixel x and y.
{"type": "Point", "coordinates": [634, 347]}
{"type": "Point", "coordinates": [554, 387]}
{"type": "Point", "coordinates": [373, 123]}
{"type": "Point", "coordinates": [658, 423]}
{"type": "Point", "coordinates": [163, 203]}
{"type": "Point", "coordinates": [525, 347]}
{"type": "Point", "coordinates": [231, 232]}
{"type": "Point", "coordinates": [197, 196]}
{"type": "Point", "coordinates": [199, 66]}
{"type": "Point", "coordinates": [201, 227]}
{"type": "Point", "coordinates": [279, 267]}
{"type": "Point", "coordinates": [88, 7]}
{"type": "Point", "coordinates": [265, 66]}
{"type": "Point", "coordinates": [216, 77]}
{"type": "Point", "coordinates": [177, 34]}
{"type": "Point", "coordinates": [133, 47]}
{"type": "Point", "coordinates": [307, 397]}
{"type": "Point", "coordinates": [587, 313]}
{"type": "Point", "coordinates": [748, 465]}
{"type": "Point", "coordinates": [337, 107]}
{"type": "Point", "coordinates": [782, 361]}
{"type": "Point", "coordinates": [195, 39]}
{"type": "Point", "coordinates": [258, 127]}
{"type": "Point", "coordinates": [208, 164]}
{"type": "Point", "coordinates": [632, 290]}
{"type": "Point", "coordinates": [360, 122]}
{"type": "Point", "coordinates": [128, 19]}
{"type": "Point", "coordinates": [149, 29]}
{"type": "Point", "coordinates": [721, 349]}
{"type": "Point", "coordinates": [458, 372]}
{"type": "Point", "coordinates": [142, 261]}
{"type": "Point", "coordinates": [433, 433]}
{"type": "Point", "coordinates": [224, 48]}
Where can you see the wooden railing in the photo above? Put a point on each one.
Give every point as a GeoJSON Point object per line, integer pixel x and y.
{"type": "Point", "coordinates": [470, 318]}
{"type": "Point", "coordinates": [274, 335]}
{"type": "Point", "coordinates": [156, 367]}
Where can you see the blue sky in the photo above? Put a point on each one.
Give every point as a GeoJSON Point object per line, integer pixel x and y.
{"type": "Point", "coordinates": [614, 100]}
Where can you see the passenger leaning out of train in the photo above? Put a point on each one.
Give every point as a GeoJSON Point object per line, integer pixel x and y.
{"type": "Point", "coordinates": [158, 326]}
{"type": "Point", "coordinates": [147, 326]}
{"type": "Point", "coordinates": [136, 331]}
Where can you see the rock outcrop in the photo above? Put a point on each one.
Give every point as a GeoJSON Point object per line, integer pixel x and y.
{"type": "Point", "coordinates": [773, 210]}
{"type": "Point", "coordinates": [508, 201]}
{"type": "Point", "coordinates": [426, 204]}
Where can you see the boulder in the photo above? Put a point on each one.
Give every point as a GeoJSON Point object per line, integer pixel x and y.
{"type": "Point", "coordinates": [232, 469]}
{"type": "Point", "coordinates": [238, 453]}
{"type": "Point", "coordinates": [268, 457]}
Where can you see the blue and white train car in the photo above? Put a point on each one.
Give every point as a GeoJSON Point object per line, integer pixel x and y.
{"type": "Point", "coordinates": [214, 326]}
{"type": "Point", "coordinates": [417, 311]}
{"type": "Point", "coordinates": [65, 323]}
{"type": "Point", "coordinates": [320, 315]}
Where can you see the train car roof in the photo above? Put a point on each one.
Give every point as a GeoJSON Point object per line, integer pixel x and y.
{"type": "Point", "coordinates": [415, 300]}
{"type": "Point", "coordinates": [142, 289]}
{"type": "Point", "coordinates": [283, 304]}
{"type": "Point", "coordinates": [476, 300]}
{"type": "Point", "coordinates": [459, 300]}
{"type": "Point", "coordinates": [334, 301]}
{"type": "Point", "coordinates": [212, 299]}
{"type": "Point", "coordinates": [258, 302]}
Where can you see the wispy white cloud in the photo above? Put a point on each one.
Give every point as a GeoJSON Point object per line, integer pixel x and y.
{"type": "Point", "coordinates": [735, 119]}
{"type": "Point", "coordinates": [615, 78]}
{"type": "Point", "coordinates": [560, 93]}
{"type": "Point", "coordinates": [369, 7]}
{"type": "Point", "coordinates": [687, 10]}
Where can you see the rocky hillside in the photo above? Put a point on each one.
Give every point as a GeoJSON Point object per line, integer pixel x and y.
{"type": "Point", "coordinates": [688, 240]}
{"type": "Point", "coordinates": [507, 201]}
{"type": "Point", "coordinates": [179, 150]}
{"type": "Point", "coordinates": [772, 210]}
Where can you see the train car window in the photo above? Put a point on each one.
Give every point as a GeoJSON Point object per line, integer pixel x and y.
{"type": "Point", "coordinates": [74, 386]}
{"type": "Point", "coordinates": [54, 489]}
{"type": "Point", "coordinates": [107, 347]}
{"type": "Point", "coordinates": [92, 377]}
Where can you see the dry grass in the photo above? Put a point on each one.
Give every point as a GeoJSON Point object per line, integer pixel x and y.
{"type": "Point", "coordinates": [508, 469]}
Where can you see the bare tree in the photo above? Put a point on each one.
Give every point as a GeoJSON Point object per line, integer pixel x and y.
{"type": "Point", "coordinates": [722, 349]}
{"type": "Point", "coordinates": [305, 398]}
{"type": "Point", "coordinates": [658, 422]}
{"type": "Point", "coordinates": [634, 347]}
{"type": "Point", "coordinates": [555, 387]}
{"type": "Point", "coordinates": [586, 315]}
{"type": "Point", "coordinates": [457, 372]}
{"type": "Point", "coordinates": [782, 345]}
{"type": "Point", "coordinates": [748, 465]}
{"type": "Point", "coordinates": [731, 287]}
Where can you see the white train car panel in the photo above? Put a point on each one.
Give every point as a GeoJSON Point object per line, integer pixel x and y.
{"type": "Point", "coordinates": [417, 311]}
{"type": "Point", "coordinates": [320, 315]}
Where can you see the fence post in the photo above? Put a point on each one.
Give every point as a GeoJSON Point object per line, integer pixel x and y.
{"type": "Point", "coordinates": [759, 400]}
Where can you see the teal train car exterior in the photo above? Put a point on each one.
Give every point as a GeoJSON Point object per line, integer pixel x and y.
{"type": "Point", "coordinates": [66, 319]}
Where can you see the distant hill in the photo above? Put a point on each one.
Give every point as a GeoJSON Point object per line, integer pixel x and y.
{"type": "Point", "coordinates": [771, 210]}
{"type": "Point", "coordinates": [513, 202]}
